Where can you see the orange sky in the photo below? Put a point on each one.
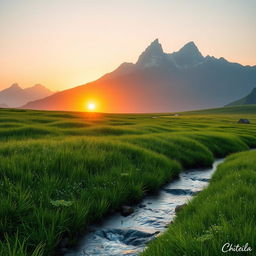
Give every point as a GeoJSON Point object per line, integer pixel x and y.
{"type": "Point", "coordinates": [63, 43]}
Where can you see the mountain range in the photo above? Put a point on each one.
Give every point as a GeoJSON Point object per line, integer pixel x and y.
{"type": "Point", "coordinates": [247, 100]}
{"type": "Point", "coordinates": [159, 82]}
{"type": "Point", "coordinates": [15, 96]}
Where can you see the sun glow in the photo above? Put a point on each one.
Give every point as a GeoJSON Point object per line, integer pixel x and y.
{"type": "Point", "coordinates": [91, 106]}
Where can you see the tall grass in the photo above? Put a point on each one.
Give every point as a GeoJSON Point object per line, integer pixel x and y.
{"type": "Point", "coordinates": [51, 188]}
{"type": "Point", "coordinates": [61, 171]}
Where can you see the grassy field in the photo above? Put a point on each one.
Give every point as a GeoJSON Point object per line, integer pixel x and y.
{"type": "Point", "coordinates": [60, 171]}
{"type": "Point", "coordinates": [223, 213]}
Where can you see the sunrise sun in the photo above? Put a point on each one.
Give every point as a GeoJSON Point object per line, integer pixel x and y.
{"type": "Point", "coordinates": [91, 106]}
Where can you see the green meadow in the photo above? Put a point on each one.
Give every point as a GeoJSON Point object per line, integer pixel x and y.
{"type": "Point", "coordinates": [61, 171]}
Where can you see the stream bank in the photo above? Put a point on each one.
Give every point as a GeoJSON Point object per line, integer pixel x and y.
{"type": "Point", "coordinates": [118, 235]}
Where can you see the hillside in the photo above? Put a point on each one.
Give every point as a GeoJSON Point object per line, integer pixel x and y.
{"type": "Point", "coordinates": [236, 110]}
{"type": "Point", "coordinates": [247, 100]}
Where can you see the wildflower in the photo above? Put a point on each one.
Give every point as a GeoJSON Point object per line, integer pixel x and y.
{"type": "Point", "coordinates": [58, 203]}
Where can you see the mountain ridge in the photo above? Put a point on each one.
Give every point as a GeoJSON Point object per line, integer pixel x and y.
{"type": "Point", "coordinates": [15, 96]}
{"type": "Point", "coordinates": [160, 82]}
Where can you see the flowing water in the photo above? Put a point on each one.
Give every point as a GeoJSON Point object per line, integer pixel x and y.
{"type": "Point", "coordinates": [119, 235]}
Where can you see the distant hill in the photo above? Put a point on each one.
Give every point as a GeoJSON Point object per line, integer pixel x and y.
{"type": "Point", "coordinates": [243, 110]}
{"type": "Point", "coordinates": [15, 96]}
{"type": "Point", "coordinates": [160, 82]}
{"type": "Point", "coordinates": [247, 100]}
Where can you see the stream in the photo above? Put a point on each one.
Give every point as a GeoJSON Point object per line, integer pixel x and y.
{"type": "Point", "coordinates": [118, 235]}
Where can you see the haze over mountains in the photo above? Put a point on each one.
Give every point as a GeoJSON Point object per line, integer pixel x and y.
{"type": "Point", "coordinates": [15, 96]}
{"type": "Point", "coordinates": [159, 82]}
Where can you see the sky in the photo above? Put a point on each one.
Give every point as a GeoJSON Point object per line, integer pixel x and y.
{"type": "Point", "coordinates": [65, 43]}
